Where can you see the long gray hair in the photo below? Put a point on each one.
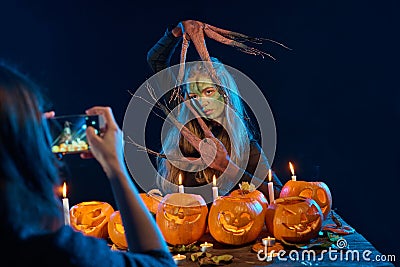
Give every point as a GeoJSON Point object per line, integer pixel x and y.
{"type": "Point", "coordinates": [236, 134]}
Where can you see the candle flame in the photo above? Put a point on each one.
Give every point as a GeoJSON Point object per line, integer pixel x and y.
{"type": "Point", "coordinates": [270, 175]}
{"type": "Point", "coordinates": [291, 167]}
{"type": "Point", "coordinates": [205, 243]}
{"type": "Point", "coordinates": [214, 181]}
{"type": "Point", "coordinates": [64, 190]}
{"type": "Point", "coordinates": [180, 179]}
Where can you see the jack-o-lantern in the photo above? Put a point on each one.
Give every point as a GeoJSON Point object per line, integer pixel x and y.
{"type": "Point", "coordinates": [91, 218]}
{"type": "Point", "coordinates": [294, 219]}
{"type": "Point", "coordinates": [318, 191]}
{"type": "Point", "coordinates": [151, 199]}
{"type": "Point", "coordinates": [116, 230]}
{"type": "Point", "coordinates": [249, 191]}
{"type": "Point", "coordinates": [235, 220]}
{"type": "Point", "coordinates": [182, 218]}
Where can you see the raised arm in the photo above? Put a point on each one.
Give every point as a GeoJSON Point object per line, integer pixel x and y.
{"type": "Point", "coordinates": [159, 56]}
{"type": "Point", "coordinates": [141, 231]}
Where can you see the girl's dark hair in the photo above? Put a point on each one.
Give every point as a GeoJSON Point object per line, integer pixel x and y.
{"type": "Point", "coordinates": [29, 174]}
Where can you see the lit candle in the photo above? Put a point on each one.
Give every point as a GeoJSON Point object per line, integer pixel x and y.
{"type": "Point", "coordinates": [268, 241]}
{"type": "Point", "coordinates": [178, 259]}
{"type": "Point", "coordinates": [206, 246]}
{"type": "Point", "coordinates": [180, 187]}
{"type": "Point", "coordinates": [270, 187]}
{"type": "Point", "coordinates": [215, 188]}
{"type": "Point", "coordinates": [65, 201]}
{"type": "Point", "coordinates": [292, 170]}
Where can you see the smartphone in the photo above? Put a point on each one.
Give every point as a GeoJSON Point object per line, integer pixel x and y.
{"type": "Point", "coordinates": [69, 132]}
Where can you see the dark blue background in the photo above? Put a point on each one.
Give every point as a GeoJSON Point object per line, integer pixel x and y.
{"type": "Point", "coordinates": [335, 96]}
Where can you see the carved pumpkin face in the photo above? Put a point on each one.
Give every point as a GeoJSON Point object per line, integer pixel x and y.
{"type": "Point", "coordinates": [91, 218]}
{"type": "Point", "coordinates": [116, 230]}
{"type": "Point", "coordinates": [318, 191]}
{"type": "Point", "coordinates": [235, 220]}
{"type": "Point", "coordinates": [182, 218]}
{"type": "Point", "coordinates": [294, 219]}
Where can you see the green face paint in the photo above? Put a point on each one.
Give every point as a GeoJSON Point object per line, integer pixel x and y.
{"type": "Point", "coordinates": [211, 101]}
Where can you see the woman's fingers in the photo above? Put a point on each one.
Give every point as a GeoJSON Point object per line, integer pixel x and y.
{"type": "Point", "coordinates": [106, 112]}
{"type": "Point", "coordinates": [87, 155]}
{"type": "Point", "coordinates": [92, 137]}
{"type": "Point", "coordinates": [49, 114]}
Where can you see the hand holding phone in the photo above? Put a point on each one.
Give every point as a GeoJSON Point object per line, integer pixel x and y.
{"type": "Point", "coordinates": [108, 149]}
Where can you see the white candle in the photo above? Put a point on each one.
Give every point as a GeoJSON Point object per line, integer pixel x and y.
{"type": "Point", "coordinates": [180, 187]}
{"type": "Point", "coordinates": [206, 246]}
{"type": "Point", "coordinates": [215, 188]}
{"type": "Point", "coordinates": [292, 171]}
{"type": "Point", "coordinates": [270, 187]}
{"type": "Point", "coordinates": [179, 259]}
{"type": "Point", "coordinates": [268, 241]}
{"type": "Point", "coordinates": [65, 201]}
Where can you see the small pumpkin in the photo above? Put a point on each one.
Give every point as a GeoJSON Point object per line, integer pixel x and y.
{"type": "Point", "coordinates": [116, 230]}
{"type": "Point", "coordinates": [91, 218]}
{"type": "Point", "coordinates": [235, 220]}
{"type": "Point", "coordinates": [317, 191]}
{"type": "Point", "coordinates": [151, 199]}
{"type": "Point", "coordinates": [182, 218]}
{"type": "Point", "coordinates": [294, 219]}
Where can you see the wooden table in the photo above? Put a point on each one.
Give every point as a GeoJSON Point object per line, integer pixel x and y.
{"type": "Point", "coordinates": [245, 256]}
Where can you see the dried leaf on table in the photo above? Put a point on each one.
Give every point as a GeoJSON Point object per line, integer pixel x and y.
{"type": "Point", "coordinates": [183, 248]}
{"type": "Point", "coordinates": [206, 261]}
{"type": "Point", "coordinates": [333, 237]}
{"type": "Point", "coordinates": [197, 255]}
{"type": "Point", "coordinates": [319, 243]}
{"type": "Point", "coordinates": [343, 230]}
{"type": "Point", "coordinates": [223, 258]}
{"type": "Point", "coordinates": [205, 258]}
{"type": "Point", "coordinates": [260, 246]}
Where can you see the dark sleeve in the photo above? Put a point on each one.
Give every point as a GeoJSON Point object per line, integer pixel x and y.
{"type": "Point", "coordinates": [159, 56]}
{"type": "Point", "coordinates": [260, 176]}
{"type": "Point", "coordinates": [150, 258]}
{"type": "Point", "coordinates": [90, 251]}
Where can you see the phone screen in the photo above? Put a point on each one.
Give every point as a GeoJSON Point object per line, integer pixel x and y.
{"type": "Point", "coordinates": [69, 132]}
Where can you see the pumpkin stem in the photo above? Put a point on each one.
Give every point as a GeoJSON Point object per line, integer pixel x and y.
{"type": "Point", "coordinates": [153, 192]}
{"type": "Point", "coordinates": [246, 188]}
